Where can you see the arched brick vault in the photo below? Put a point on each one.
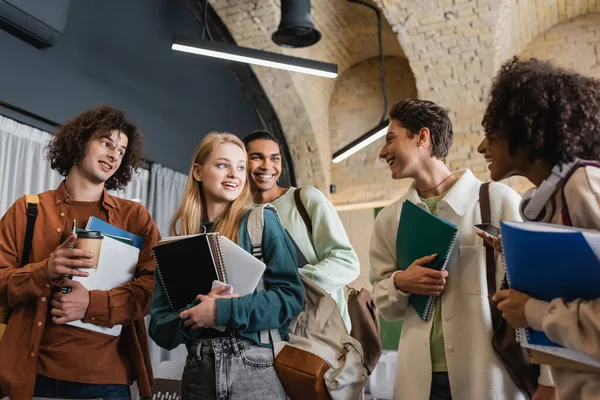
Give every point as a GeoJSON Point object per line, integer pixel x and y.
{"type": "Point", "coordinates": [455, 47]}
{"type": "Point", "coordinates": [356, 106]}
{"type": "Point", "coordinates": [302, 101]}
{"type": "Point", "coordinates": [452, 49]}
{"type": "Point", "coordinates": [522, 21]}
{"type": "Point", "coordinates": [449, 45]}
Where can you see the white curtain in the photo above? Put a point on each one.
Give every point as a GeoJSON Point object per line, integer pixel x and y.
{"type": "Point", "coordinates": [137, 189]}
{"type": "Point", "coordinates": [23, 168]}
{"type": "Point", "coordinates": [166, 191]}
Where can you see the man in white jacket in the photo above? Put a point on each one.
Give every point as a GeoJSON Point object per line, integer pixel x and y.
{"type": "Point", "coordinates": [332, 263]}
{"type": "Point", "coordinates": [451, 355]}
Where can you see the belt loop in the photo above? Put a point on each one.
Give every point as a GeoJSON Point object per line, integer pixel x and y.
{"type": "Point", "coordinates": [236, 345]}
{"type": "Point", "coordinates": [199, 350]}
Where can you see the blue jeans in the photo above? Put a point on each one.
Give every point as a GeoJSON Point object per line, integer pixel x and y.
{"type": "Point", "coordinates": [55, 388]}
{"type": "Point", "coordinates": [230, 368]}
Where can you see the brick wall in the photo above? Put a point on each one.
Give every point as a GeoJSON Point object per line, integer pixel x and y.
{"type": "Point", "coordinates": [452, 47]}
{"type": "Point", "coordinates": [574, 44]}
{"type": "Point", "coordinates": [356, 106]}
{"type": "Point", "coordinates": [302, 101]}
{"type": "Point", "coordinates": [449, 45]}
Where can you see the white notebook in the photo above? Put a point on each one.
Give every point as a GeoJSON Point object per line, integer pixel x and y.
{"type": "Point", "coordinates": [557, 351]}
{"type": "Point", "coordinates": [116, 266]}
{"type": "Point", "coordinates": [244, 271]}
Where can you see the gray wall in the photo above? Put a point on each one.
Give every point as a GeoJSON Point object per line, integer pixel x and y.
{"type": "Point", "coordinates": [119, 53]}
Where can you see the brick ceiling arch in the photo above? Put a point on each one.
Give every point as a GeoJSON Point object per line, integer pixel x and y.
{"type": "Point", "coordinates": [521, 21]}
{"type": "Point", "coordinates": [349, 36]}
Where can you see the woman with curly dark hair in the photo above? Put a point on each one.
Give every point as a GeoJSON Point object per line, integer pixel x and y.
{"type": "Point", "coordinates": [543, 123]}
{"type": "Point", "coordinates": [95, 151]}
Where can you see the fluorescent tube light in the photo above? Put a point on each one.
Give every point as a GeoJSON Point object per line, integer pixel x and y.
{"type": "Point", "coordinates": [362, 142]}
{"type": "Point", "coordinates": [232, 52]}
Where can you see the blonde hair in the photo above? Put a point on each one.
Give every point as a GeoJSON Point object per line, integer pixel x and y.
{"type": "Point", "coordinates": [189, 214]}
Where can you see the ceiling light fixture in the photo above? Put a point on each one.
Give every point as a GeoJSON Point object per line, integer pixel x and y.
{"type": "Point", "coordinates": [381, 128]}
{"type": "Point", "coordinates": [296, 28]}
{"type": "Point", "coordinates": [362, 142]}
{"type": "Point", "coordinates": [231, 52]}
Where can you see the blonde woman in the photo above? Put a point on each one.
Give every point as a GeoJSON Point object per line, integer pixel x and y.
{"type": "Point", "coordinates": [233, 364]}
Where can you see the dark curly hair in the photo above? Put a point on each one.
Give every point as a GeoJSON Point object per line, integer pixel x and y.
{"type": "Point", "coordinates": [415, 114]}
{"type": "Point", "coordinates": [551, 113]}
{"type": "Point", "coordinates": [68, 146]}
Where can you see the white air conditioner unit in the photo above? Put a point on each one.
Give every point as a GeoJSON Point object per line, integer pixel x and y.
{"type": "Point", "coordinates": [39, 23]}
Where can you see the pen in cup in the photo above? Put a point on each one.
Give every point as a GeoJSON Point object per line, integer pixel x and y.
{"type": "Point", "coordinates": [65, 289]}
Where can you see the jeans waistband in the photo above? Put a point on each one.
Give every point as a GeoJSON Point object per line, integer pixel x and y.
{"type": "Point", "coordinates": [222, 345]}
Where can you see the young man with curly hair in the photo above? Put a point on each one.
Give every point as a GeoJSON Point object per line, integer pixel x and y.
{"type": "Point", "coordinates": [450, 356]}
{"type": "Point", "coordinates": [540, 117]}
{"type": "Point", "coordinates": [40, 355]}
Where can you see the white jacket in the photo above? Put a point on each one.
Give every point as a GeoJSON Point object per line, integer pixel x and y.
{"type": "Point", "coordinates": [474, 369]}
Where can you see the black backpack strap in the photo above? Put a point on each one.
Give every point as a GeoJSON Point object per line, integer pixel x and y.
{"type": "Point", "coordinates": [32, 212]}
{"type": "Point", "coordinates": [302, 210]}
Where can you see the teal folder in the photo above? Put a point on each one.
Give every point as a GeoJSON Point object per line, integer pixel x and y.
{"type": "Point", "coordinates": [421, 234]}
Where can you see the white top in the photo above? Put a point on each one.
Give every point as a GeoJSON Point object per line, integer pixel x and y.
{"type": "Point", "coordinates": [333, 262]}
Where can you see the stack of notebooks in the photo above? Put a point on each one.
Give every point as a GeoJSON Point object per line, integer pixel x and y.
{"type": "Point", "coordinates": [547, 262]}
{"type": "Point", "coordinates": [188, 265]}
{"type": "Point", "coordinates": [117, 263]}
{"type": "Point", "coordinates": [421, 234]}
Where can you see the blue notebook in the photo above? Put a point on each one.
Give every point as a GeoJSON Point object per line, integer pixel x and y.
{"type": "Point", "coordinates": [549, 261]}
{"type": "Point", "coordinates": [95, 224]}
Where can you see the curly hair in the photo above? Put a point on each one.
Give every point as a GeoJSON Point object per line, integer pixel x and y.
{"type": "Point", "coordinates": [415, 114]}
{"type": "Point", "coordinates": [551, 113]}
{"type": "Point", "coordinates": [68, 146]}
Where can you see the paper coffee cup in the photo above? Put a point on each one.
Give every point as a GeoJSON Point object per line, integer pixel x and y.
{"type": "Point", "coordinates": [90, 241]}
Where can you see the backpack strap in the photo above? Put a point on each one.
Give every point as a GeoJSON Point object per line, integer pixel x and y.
{"type": "Point", "coordinates": [566, 218]}
{"type": "Point", "coordinates": [302, 210]}
{"type": "Point", "coordinates": [490, 264]}
{"type": "Point", "coordinates": [256, 227]}
{"type": "Point", "coordinates": [32, 212]}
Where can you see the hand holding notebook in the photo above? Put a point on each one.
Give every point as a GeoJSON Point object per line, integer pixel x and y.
{"type": "Point", "coordinates": [188, 265]}
{"type": "Point", "coordinates": [421, 234]}
{"type": "Point", "coordinates": [547, 262]}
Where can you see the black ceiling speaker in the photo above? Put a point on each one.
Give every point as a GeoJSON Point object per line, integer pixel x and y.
{"type": "Point", "coordinates": [296, 28]}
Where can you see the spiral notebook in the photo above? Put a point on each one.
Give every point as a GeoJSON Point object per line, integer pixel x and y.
{"type": "Point", "coordinates": [549, 261]}
{"type": "Point", "coordinates": [420, 234]}
{"type": "Point", "coordinates": [188, 265]}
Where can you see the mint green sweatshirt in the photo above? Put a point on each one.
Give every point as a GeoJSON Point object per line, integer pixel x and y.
{"type": "Point", "coordinates": [275, 307]}
{"type": "Point", "coordinates": [333, 262]}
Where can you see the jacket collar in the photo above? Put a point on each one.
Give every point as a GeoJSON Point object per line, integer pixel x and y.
{"type": "Point", "coordinates": [61, 195]}
{"type": "Point", "coordinates": [460, 195]}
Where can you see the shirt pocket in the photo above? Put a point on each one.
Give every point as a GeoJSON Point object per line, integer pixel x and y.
{"type": "Point", "coordinates": [473, 270]}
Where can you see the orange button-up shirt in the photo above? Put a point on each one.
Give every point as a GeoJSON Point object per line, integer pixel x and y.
{"type": "Point", "coordinates": [27, 289]}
